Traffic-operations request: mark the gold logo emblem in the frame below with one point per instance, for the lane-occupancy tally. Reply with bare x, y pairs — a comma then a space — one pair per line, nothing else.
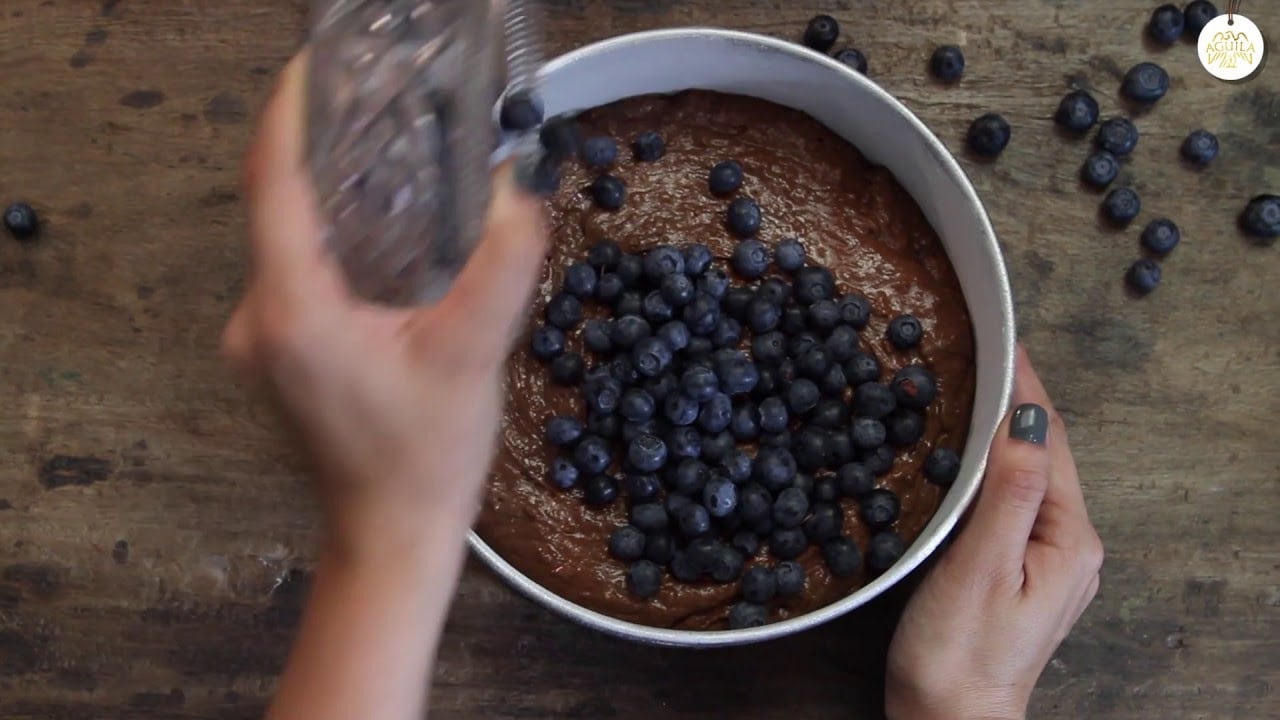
1230, 47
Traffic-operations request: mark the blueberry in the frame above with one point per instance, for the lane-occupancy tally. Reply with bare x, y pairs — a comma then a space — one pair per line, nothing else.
1143, 275
716, 446
559, 137
762, 315
1145, 82
1196, 15
1166, 24
879, 461
825, 489
725, 564
873, 400
1200, 147
842, 557
802, 343
831, 413
521, 111
821, 33
649, 147
795, 319
600, 491
1077, 112
660, 548
914, 387
680, 409
608, 192
1100, 169
745, 422
720, 498
854, 58
627, 543
651, 356
725, 178
750, 258
608, 427
988, 135
867, 433
684, 442
802, 396
738, 375
814, 364
824, 523
754, 503
700, 383
738, 466
786, 372
662, 261
727, 333
841, 450
630, 270
661, 386
675, 334
697, 259
880, 508
630, 302
655, 307
623, 369
885, 550
598, 152
690, 477
563, 431
773, 415
942, 466
769, 348
855, 480
842, 344
698, 348
677, 289
713, 283
684, 568
637, 405
1261, 217
1121, 206
633, 430
775, 291
546, 342
775, 440
746, 542
1161, 236
743, 220
1118, 136
693, 520
809, 446
642, 487
813, 284
759, 584
644, 579
609, 287
824, 315
592, 455
562, 473
791, 578
567, 369
581, 280
744, 616
21, 221
716, 413
947, 63
628, 330
789, 255
775, 468
701, 314
649, 517
674, 502
604, 254
905, 332
787, 543
904, 427
647, 453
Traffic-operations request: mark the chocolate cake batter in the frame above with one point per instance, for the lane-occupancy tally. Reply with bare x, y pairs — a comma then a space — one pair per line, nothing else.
852, 216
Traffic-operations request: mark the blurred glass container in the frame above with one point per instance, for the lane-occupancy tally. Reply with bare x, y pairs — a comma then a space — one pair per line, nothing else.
400, 133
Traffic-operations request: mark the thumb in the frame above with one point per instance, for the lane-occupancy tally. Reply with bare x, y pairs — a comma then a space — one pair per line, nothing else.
489, 300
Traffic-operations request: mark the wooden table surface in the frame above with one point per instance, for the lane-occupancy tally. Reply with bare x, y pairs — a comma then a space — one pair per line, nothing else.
155, 530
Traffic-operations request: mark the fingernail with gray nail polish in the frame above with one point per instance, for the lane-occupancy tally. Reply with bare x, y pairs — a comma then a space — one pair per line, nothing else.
1030, 424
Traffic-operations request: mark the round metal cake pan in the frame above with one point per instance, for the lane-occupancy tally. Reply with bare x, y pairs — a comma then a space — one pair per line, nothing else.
887, 133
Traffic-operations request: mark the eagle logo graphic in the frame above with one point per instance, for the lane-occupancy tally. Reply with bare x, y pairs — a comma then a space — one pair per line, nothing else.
1229, 49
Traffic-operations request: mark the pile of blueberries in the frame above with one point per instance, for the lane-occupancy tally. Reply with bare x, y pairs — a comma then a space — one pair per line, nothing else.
1144, 84
731, 407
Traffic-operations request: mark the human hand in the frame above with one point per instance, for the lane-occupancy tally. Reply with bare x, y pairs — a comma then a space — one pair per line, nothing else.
986, 620
398, 408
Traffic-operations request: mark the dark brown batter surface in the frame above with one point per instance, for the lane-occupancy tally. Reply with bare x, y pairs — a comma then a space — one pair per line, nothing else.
853, 218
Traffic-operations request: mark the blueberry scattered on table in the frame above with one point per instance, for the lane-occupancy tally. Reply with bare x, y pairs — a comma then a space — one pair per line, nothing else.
1261, 218
1161, 236
1166, 24
1077, 111
649, 147
21, 221
947, 63
725, 178
1118, 136
609, 192
821, 33
1144, 275
1200, 147
1121, 206
1196, 15
854, 58
1100, 169
521, 111
988, 135
1145, 83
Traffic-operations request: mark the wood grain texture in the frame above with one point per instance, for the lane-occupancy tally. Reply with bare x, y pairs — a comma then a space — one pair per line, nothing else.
154, 528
